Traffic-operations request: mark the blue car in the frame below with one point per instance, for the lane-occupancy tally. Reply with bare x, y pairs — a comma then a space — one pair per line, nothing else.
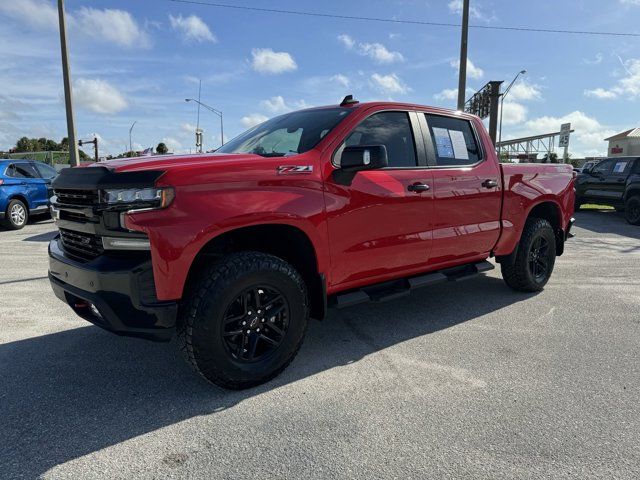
25, 189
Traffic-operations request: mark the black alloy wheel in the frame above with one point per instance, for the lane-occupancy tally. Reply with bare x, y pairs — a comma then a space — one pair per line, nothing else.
255, 323
539, 259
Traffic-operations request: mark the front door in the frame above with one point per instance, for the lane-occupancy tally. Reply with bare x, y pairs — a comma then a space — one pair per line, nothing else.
378, 227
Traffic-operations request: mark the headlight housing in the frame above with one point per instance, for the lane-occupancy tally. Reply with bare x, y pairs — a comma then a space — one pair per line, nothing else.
138, 198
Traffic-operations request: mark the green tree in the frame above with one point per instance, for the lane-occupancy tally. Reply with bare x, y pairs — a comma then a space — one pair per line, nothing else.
162, 148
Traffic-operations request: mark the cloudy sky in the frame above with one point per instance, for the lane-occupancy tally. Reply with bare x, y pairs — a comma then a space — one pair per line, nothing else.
138, 61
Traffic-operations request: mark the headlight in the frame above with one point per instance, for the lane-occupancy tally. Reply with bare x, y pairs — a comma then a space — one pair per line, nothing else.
138, 197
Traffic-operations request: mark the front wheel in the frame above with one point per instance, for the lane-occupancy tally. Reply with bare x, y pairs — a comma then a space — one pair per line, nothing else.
529, 269
16, 215
245, 319
632, 210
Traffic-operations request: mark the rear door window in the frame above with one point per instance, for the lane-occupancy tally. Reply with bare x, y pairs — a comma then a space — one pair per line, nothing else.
454, 141
21, 170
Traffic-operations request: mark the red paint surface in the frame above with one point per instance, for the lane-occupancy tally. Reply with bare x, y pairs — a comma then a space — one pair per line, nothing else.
369, 231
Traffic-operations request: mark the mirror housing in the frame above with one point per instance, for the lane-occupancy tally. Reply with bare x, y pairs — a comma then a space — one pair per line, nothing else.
363, 157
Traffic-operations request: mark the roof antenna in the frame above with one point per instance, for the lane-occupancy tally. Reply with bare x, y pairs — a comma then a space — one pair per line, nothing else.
349, 100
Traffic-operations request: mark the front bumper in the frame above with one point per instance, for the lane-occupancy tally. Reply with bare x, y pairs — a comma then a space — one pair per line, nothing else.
120, 287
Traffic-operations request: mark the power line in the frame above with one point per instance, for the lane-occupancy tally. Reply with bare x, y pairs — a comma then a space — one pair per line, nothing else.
410, 22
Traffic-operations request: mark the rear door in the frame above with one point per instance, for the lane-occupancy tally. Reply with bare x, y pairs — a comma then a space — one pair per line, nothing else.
36, 185
614, 183
467, 190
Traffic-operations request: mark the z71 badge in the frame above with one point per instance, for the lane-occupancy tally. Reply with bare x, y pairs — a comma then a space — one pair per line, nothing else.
294, 169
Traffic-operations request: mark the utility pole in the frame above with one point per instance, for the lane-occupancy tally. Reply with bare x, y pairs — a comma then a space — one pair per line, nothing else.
66, 76
462, 80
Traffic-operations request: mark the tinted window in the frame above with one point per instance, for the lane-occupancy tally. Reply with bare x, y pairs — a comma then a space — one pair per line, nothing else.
636, 167
621, 166
288, 134
604, 167
45, 170
453, 141
22, 170
391, 129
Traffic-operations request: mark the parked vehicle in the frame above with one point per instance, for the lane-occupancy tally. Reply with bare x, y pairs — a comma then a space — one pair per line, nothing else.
25, 189
329, 206
614, 182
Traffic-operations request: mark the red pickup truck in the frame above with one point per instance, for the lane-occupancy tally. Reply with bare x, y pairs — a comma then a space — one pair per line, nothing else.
325, 207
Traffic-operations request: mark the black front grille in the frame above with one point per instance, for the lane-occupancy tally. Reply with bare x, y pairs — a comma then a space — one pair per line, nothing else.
81, 245
81, 198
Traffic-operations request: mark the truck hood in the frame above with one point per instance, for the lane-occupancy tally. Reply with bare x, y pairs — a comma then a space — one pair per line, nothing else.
174, 162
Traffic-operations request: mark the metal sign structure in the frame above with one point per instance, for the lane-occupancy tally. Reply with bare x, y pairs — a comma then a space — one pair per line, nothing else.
484, 103
565, 133
527, 148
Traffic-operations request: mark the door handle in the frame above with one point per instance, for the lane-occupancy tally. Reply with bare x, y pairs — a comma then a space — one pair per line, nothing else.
489, 183
418, 187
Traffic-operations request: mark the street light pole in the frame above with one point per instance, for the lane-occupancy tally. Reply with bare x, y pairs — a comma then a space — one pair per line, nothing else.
66, 76
521, 72
213, 110
130, 130
462, 73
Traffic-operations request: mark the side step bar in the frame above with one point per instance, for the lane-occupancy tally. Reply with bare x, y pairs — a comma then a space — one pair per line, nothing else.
383, 292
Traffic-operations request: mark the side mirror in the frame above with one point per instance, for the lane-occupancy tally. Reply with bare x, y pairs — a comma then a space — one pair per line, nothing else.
363, 157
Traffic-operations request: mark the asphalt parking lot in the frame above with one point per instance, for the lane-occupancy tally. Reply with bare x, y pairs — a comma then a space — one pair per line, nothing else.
466, 380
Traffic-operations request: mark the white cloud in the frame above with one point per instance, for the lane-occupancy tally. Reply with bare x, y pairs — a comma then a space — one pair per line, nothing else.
192, 29
375, 51
447, 94
346, 40
98, 96
275, 104
35, 13
340, 79
455, 7
525, 91
587, 140
628, 86
278, 104
513, 113
253, 119
172, 144
267, 61
389, 84
112, 26
188, 128
472, 70
600, 93
630, 2
595, 61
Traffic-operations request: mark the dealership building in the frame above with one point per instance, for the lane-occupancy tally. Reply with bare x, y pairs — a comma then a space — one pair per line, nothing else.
625, 144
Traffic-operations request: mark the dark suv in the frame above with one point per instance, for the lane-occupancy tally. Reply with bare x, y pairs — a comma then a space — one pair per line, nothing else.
614, 182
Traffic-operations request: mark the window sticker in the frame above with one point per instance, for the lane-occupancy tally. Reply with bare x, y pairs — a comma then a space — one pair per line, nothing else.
443, 142
619, 167
459, 145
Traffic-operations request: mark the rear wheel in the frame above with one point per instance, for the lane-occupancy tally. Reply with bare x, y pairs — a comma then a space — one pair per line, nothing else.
632, 210
16, 215
529, 269
245, 320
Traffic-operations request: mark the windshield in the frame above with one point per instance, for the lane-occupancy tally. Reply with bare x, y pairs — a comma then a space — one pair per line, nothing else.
287, 134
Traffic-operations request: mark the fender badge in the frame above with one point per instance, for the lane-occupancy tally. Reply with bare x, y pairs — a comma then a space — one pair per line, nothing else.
294, 169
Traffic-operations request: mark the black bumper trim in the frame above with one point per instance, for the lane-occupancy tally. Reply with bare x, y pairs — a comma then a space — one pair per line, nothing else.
122, 291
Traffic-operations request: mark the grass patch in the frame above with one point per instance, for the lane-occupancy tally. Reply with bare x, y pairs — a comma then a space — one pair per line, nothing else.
593, 206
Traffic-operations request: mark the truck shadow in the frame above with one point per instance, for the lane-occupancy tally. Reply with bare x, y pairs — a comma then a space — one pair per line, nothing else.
75, 392
607, 222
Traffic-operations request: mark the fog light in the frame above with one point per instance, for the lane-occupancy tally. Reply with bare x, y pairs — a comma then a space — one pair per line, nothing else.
121, 243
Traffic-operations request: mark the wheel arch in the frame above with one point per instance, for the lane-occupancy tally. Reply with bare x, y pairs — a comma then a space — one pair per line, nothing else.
282, 240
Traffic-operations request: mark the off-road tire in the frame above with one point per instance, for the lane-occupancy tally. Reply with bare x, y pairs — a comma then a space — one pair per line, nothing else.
632, 210
200, 323
516, 268
11, 223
